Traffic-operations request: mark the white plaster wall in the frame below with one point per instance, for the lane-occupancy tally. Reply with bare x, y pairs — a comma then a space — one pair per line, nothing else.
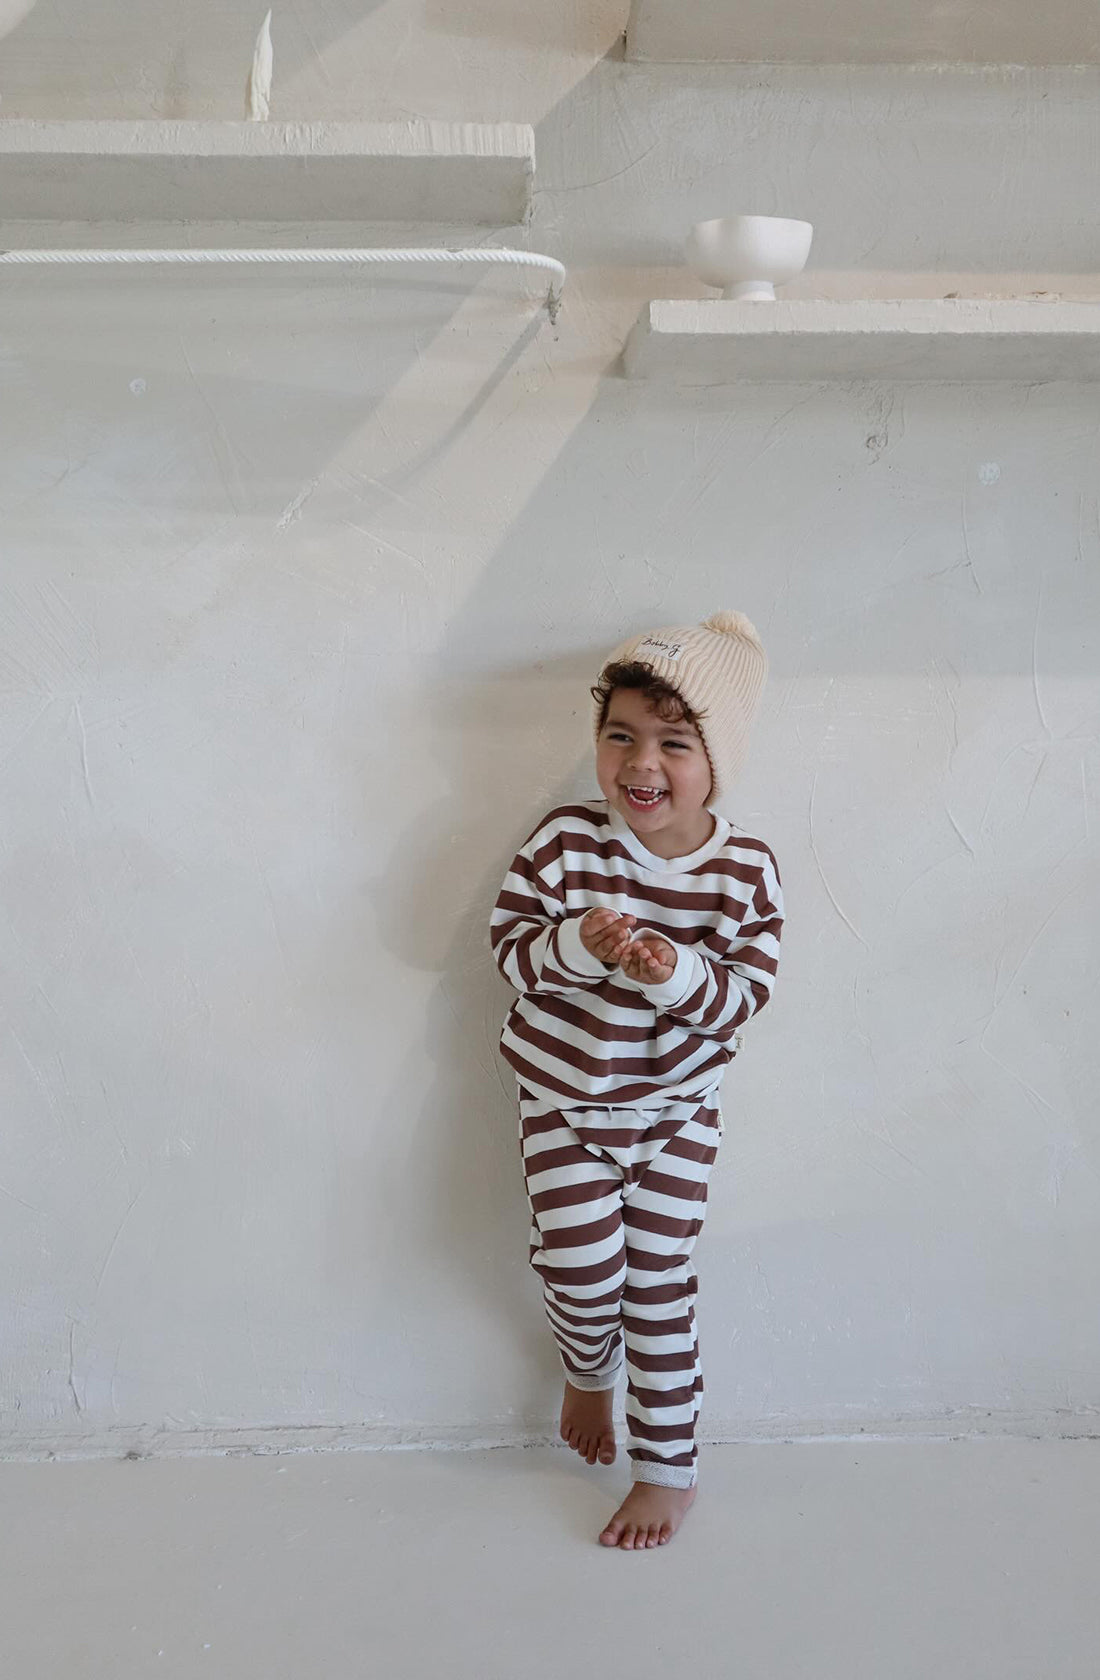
303, 583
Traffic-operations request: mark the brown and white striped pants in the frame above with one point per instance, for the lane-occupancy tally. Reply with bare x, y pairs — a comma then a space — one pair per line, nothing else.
617, 1197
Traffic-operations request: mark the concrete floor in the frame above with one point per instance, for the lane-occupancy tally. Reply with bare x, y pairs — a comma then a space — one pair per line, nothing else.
965, 1560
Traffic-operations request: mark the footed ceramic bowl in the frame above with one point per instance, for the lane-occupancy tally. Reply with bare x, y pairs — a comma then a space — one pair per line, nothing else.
748, 256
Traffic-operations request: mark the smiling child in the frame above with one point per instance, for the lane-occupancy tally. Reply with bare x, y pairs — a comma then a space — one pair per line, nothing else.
641, 933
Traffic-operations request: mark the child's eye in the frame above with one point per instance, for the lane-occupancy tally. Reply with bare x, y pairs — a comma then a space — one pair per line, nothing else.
621, 735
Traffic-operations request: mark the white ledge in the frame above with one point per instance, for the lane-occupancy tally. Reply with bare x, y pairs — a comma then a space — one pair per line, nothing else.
715, 342
88, 171
1059, 32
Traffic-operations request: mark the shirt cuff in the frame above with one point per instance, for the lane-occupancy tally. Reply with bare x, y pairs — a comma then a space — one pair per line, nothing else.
683, 980
574, 952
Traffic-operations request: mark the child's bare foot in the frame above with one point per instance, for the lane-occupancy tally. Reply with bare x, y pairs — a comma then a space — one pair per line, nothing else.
648, 1516
586, 1422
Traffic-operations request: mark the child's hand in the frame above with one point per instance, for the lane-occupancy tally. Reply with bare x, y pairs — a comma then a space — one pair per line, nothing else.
607, 934
650, 959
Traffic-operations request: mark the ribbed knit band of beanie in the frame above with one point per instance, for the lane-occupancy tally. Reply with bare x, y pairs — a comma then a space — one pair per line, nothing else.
718, 668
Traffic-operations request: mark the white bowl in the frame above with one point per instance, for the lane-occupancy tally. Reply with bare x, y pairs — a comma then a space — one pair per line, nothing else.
748, 256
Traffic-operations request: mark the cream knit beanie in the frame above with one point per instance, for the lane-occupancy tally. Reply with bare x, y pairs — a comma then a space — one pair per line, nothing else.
719, 668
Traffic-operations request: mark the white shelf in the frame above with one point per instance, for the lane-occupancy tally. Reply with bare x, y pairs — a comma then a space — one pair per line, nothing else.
865, 32
715, 342
454, 173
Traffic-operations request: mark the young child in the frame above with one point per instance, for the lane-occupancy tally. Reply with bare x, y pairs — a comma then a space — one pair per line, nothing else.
641, 933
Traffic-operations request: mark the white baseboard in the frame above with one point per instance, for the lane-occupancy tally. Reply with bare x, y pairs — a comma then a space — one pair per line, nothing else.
151, 1441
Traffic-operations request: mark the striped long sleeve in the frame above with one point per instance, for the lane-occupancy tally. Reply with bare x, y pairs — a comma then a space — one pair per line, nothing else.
582, 1033
537, 946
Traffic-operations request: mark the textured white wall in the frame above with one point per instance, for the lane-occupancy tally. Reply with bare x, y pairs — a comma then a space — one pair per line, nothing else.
303, 583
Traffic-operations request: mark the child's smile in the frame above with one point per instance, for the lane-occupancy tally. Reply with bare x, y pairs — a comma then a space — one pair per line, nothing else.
645, 799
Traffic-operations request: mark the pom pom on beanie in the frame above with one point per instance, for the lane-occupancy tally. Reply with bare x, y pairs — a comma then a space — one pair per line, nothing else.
731, 624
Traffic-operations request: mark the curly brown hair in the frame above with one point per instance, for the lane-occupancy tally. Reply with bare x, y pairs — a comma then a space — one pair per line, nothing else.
666, 700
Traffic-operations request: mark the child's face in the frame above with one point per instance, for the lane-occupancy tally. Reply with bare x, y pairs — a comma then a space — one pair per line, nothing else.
638, 752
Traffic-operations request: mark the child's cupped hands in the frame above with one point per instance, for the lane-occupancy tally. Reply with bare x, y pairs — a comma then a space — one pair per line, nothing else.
610, 937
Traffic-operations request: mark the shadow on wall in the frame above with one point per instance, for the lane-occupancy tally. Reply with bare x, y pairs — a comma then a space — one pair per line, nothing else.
469, 1220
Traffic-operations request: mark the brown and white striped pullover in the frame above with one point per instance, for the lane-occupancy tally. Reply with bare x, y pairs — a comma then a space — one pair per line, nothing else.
583, 1035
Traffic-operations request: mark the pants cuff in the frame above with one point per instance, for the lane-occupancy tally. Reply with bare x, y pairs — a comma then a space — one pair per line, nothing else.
594, 1381
663, 1475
